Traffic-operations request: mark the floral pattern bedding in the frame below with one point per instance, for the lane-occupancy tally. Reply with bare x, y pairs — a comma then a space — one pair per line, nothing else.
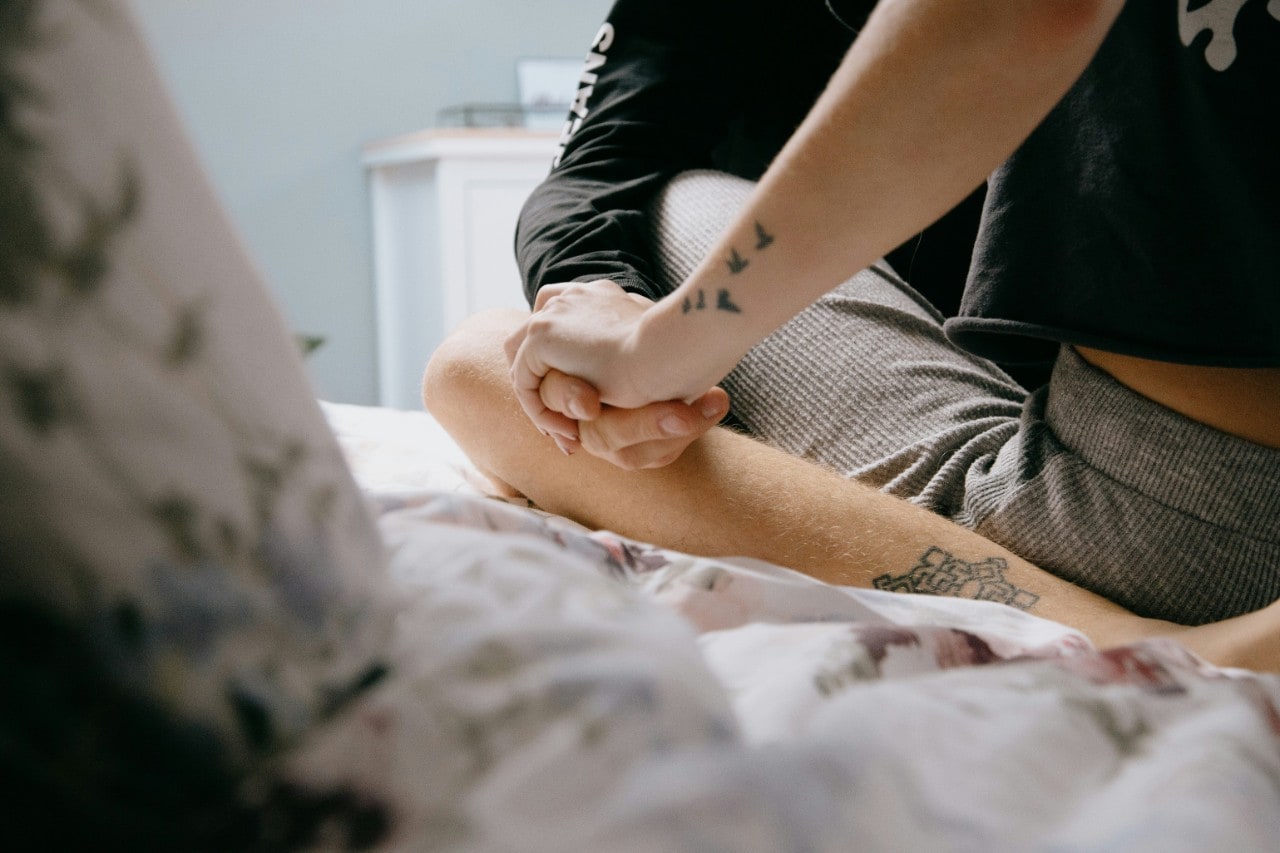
561, 689
211, 639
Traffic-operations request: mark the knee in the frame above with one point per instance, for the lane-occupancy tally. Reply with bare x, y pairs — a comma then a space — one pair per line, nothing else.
468, 371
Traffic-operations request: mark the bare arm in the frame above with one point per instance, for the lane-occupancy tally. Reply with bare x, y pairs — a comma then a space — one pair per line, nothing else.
729, 495
932, 96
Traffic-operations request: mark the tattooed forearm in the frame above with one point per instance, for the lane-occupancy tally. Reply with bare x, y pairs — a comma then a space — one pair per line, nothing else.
940, 573
736, 263
724, 302
763, 238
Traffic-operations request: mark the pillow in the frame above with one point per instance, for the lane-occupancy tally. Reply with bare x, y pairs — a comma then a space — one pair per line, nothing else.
189, 579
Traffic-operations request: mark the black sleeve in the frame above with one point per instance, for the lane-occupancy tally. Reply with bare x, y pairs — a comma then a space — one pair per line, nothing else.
673, 85
657, 90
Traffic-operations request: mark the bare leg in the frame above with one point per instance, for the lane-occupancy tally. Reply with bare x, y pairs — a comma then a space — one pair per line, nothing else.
728, 495
721, 487
1251, 641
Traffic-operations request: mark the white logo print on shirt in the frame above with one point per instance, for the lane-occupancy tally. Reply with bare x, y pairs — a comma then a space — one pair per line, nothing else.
1218, 16
587, 86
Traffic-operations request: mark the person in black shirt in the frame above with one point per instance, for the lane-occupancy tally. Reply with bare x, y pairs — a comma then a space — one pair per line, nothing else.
1152, 452
679, 92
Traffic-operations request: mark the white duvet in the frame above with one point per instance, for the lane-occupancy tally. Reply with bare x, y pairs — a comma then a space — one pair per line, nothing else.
560, 690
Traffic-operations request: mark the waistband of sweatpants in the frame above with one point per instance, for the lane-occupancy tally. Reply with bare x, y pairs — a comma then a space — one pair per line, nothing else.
1224, 480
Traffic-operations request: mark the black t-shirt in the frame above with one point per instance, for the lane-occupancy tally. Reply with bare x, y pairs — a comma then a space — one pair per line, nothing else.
1143, 215
673, 85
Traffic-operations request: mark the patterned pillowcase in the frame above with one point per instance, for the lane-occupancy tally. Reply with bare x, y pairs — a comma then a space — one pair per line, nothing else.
188, 577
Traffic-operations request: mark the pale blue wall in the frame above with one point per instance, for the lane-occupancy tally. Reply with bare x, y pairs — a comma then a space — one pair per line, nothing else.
279, 97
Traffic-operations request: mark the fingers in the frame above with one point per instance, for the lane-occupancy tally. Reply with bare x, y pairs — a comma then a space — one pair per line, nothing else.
526, 380
546, 293
653, 436
713, 405
550, 291
570, 396
553, 400
554, 412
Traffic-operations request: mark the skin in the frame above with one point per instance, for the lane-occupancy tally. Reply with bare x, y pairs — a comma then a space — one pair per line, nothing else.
911, 104
912, 101
597, 368
570, 412
1244, 402
728, 495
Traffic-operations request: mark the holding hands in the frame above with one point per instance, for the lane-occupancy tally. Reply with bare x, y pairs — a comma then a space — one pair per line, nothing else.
587, 375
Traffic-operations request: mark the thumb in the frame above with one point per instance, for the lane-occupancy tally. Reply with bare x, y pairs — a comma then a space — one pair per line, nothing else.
713, 405
570, 395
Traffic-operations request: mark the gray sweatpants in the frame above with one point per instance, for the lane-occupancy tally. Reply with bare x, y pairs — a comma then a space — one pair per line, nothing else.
1085, 478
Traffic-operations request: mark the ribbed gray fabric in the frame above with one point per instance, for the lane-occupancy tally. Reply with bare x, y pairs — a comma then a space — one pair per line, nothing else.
1085, 478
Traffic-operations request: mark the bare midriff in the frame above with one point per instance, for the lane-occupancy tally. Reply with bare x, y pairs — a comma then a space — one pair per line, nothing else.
1241, 401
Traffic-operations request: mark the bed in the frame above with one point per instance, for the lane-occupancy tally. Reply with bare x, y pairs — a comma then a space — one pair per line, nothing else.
625, 697
232, 618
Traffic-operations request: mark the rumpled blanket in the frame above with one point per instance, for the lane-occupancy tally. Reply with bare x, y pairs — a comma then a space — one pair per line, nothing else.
558, 689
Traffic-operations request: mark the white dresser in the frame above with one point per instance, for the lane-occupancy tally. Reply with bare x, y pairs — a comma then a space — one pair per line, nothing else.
445, 204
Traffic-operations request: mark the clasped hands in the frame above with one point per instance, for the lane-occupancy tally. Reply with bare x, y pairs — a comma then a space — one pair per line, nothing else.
589, 377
